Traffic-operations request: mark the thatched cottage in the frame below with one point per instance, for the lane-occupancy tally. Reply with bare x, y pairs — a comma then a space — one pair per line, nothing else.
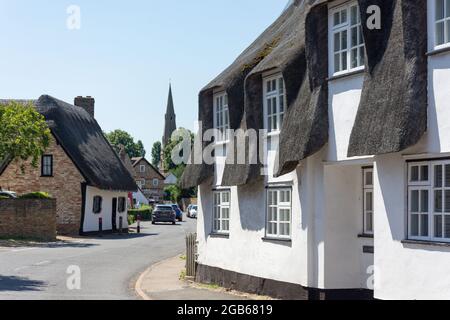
79, 169
354, 200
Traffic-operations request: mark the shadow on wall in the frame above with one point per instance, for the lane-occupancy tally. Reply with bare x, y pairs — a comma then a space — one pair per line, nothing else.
252, 206
17, 284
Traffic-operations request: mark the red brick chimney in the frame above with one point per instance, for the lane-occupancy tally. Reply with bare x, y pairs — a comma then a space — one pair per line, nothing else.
87, 103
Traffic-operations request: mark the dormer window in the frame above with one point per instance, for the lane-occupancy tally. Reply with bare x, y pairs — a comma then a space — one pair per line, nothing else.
347, 49
274, 103
442, 22
221, 117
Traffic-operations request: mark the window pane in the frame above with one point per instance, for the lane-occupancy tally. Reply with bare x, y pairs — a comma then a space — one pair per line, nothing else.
447, 23
447, 11
362, 56
447, 201
369, 178
424, 201
438, 176
344, 40
354, 58
415, 225
337, 60
354, 15
414, 173
439, 9
344, 60
354, 37
280, 86
369, 201
336, 19
424, 225
369, 222
344, 16
440, 39
447, 227
361, 37
415, 201
424, 173
438, 226
438, 201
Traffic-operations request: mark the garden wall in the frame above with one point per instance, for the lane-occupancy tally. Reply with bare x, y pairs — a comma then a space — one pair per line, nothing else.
26, 218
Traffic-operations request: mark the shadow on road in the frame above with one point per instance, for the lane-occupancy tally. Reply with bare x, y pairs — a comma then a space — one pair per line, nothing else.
20, 284
51, 245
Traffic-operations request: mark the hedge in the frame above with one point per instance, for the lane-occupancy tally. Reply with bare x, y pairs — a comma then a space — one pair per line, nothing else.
145, 213
35, 195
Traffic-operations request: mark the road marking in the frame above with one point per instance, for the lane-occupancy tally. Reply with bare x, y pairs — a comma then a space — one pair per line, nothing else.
22, 250
42, 263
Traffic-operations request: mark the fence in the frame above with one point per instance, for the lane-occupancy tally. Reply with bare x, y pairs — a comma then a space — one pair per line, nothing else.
191, 255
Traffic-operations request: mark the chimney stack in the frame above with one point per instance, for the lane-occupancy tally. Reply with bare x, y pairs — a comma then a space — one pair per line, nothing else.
87, 103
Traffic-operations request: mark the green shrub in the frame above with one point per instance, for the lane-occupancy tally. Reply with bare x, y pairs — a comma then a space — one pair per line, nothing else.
131, 219
145, 212
35, 195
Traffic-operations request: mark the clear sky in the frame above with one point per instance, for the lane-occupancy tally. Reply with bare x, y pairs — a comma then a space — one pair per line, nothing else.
125, 53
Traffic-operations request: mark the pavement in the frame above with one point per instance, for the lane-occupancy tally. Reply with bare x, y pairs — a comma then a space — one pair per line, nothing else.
162, 282
107, 268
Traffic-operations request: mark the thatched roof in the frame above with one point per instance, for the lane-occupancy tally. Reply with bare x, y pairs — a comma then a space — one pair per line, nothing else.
392, 115
82, 139
393, 111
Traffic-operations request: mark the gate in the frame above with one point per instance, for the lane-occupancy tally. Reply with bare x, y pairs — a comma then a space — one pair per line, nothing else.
191, 255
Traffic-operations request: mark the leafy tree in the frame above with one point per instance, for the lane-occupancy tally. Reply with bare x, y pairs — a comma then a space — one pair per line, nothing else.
118, 138
24, 134
175, 143
156, 153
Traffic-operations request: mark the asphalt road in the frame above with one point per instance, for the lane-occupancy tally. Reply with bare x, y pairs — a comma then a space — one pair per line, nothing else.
108, 266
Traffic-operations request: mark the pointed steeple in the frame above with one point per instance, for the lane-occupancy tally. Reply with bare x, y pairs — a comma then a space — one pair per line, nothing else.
170, 121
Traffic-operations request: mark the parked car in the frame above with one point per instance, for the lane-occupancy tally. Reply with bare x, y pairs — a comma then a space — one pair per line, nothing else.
188, 209
193, 211
164, 214
178, 212
8, 194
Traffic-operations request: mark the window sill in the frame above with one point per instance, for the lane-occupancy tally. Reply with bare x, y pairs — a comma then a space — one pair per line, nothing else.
427, 243
281, 240
366, 236
221, 143
345, 75
47, 176
219, 236
438, 51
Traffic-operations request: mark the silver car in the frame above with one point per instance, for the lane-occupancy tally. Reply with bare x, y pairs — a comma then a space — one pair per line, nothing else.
8, 194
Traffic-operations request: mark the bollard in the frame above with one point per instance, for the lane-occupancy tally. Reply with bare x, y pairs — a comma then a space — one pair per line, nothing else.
120, 225
100, 226
139, 223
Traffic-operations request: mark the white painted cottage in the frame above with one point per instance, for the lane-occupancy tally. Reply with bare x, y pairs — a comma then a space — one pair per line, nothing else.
358, 203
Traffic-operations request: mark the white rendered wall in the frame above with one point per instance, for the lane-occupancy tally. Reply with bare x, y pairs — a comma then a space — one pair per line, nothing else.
91, 219
344, 96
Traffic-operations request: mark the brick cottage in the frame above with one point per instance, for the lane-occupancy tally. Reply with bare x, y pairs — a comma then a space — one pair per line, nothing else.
79, 169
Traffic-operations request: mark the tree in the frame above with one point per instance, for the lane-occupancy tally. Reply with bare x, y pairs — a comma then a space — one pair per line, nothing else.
175, 143
24, 134
156, 153
119, 138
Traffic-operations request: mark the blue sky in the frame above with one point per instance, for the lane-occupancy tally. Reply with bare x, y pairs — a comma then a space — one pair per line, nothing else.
125, 53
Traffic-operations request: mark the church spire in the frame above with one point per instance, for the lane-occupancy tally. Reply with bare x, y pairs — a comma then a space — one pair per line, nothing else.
170, 121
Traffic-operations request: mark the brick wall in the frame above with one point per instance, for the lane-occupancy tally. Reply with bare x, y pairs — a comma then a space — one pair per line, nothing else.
34, 219
64, 186
149, 190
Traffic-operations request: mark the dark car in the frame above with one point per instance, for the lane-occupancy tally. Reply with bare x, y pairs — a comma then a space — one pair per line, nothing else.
178, 212
164, 214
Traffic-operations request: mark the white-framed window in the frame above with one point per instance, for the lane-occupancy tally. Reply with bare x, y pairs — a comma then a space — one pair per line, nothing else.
368, 216
274, 103
279, 213
142, 168
347, 49
429, 200
221, 116
155, 182
441, 23
221, 211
